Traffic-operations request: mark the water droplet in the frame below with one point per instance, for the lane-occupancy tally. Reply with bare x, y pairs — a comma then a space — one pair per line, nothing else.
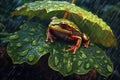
18, 58
24, 52
31, 34
78, 70
50, 9
45, 52
69, 66
56, 61
11, 44
46, 46
32, 30
98, 52
87, 66
13, 37
26, 39
96, 66
64, 50
83, 54
101, 57
79, 63
18, 44
19, 8
59, 66
109, 68
91, 60
35, 42
40, 49
74, 59
21, 27
9, 51
64, 61
31, 57
105, 61
65, 54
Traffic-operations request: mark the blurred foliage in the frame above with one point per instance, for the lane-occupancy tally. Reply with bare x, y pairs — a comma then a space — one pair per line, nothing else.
1, 27
11, 23
113, 14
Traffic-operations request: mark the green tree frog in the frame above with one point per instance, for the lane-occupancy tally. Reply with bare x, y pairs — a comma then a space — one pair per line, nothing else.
66, 30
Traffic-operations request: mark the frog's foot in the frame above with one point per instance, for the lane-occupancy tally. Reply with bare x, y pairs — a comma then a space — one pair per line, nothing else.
72, 48
49, 36
86, 40
76, 46
86, 44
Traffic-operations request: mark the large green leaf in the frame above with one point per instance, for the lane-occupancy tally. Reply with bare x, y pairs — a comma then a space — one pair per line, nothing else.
89, 23
28, 45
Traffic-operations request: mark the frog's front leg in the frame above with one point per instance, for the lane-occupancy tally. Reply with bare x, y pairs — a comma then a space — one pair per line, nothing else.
77, 45
49, 35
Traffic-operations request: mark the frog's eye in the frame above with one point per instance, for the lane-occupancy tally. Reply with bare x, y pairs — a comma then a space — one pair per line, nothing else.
64, 26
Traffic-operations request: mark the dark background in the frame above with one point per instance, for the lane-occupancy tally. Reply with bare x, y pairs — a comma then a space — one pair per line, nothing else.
108, 10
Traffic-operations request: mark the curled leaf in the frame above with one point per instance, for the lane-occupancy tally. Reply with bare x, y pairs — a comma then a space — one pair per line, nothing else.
88, 23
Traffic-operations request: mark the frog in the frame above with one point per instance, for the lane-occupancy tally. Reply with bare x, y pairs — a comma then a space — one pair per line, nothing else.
68, 31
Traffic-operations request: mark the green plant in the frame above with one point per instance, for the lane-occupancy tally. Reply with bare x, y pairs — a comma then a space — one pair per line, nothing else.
28, 44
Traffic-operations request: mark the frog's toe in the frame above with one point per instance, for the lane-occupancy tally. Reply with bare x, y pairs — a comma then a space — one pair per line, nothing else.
49, 38
51, 41
72, 48
86, 44
46, 40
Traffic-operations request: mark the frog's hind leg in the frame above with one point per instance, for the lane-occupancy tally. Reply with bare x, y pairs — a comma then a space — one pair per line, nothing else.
49, 35
77, 45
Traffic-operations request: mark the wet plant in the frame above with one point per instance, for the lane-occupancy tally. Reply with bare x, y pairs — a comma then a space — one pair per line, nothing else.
28, 44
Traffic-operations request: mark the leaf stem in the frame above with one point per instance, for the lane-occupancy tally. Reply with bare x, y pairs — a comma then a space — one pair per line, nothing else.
73, 1
66, 12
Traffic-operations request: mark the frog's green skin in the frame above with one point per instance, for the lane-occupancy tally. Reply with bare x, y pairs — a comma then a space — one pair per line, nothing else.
66, 30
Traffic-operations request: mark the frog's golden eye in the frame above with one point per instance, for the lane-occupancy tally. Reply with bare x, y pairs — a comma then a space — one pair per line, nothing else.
64, 26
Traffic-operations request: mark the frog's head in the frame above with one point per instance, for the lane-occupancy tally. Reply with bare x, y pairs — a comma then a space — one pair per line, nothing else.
64, 23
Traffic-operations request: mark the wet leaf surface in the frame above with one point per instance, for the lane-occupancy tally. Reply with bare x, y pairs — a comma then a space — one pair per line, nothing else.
83, 61
28, 45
